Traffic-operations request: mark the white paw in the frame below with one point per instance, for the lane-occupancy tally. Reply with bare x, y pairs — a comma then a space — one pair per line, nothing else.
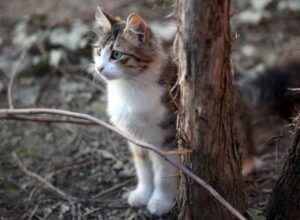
139, 197
159, 206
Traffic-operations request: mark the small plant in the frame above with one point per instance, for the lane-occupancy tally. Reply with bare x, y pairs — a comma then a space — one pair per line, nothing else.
254, 215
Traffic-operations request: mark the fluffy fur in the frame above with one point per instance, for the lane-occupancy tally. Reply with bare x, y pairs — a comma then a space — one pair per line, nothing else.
267, 104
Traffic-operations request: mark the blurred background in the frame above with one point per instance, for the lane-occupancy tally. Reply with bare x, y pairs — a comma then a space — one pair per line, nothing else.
45, 46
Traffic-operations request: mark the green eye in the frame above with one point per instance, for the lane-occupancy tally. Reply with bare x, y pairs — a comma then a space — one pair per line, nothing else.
115, 55
99, 51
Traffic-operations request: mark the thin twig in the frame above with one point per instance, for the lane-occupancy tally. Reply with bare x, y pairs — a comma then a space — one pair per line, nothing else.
68, 120
68, 168
151, 147
32, 213
40, 179
13, 76
46, 183
46, 119
111, 189
91, 211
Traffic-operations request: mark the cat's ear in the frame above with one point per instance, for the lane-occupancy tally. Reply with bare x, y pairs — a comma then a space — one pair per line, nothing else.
137, 27
104, 20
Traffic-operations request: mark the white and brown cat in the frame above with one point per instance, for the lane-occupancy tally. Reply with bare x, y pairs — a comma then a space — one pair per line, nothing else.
137, 71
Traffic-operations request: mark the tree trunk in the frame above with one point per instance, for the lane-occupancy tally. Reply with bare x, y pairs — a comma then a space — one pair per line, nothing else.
206, 109
285, 201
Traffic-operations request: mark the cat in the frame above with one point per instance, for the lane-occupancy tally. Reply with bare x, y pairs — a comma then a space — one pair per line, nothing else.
139, 74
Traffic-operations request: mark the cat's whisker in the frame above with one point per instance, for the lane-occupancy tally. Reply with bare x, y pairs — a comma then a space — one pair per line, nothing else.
133, 79
170, 176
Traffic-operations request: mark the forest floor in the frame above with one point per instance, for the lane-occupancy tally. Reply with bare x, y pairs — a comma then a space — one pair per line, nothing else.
91, 164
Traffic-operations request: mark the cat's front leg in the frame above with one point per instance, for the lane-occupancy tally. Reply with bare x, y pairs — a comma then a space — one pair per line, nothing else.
166, 179
141, 195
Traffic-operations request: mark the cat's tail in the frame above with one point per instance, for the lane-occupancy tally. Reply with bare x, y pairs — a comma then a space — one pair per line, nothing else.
272, 98
276, 89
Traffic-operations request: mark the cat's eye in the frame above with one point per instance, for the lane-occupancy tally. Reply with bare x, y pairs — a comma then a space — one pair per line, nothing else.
115, 55
98, 51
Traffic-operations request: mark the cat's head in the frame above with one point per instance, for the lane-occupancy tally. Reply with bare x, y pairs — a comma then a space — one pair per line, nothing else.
126, 49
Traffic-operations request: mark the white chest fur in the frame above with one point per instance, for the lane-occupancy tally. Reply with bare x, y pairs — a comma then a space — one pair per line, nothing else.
136, 107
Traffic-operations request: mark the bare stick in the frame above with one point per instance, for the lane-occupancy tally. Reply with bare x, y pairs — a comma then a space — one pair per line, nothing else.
46, 119
46, 183
151, 147
91, 211
33, 212
40, 179
13, 76
111, 189
68, 120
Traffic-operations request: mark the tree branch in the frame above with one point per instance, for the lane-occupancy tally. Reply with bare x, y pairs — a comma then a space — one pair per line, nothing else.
185, 170
46, 119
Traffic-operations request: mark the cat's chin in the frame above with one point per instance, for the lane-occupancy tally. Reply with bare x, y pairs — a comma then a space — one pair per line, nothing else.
109, 77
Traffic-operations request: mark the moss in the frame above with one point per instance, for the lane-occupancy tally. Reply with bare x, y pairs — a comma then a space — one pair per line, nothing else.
99, 109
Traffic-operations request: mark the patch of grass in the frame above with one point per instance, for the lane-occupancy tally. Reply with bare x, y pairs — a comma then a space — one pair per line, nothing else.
26, 151
254, 215
100, 109
11, 190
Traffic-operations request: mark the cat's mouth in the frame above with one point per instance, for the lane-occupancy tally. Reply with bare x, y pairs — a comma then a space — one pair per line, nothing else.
108, 75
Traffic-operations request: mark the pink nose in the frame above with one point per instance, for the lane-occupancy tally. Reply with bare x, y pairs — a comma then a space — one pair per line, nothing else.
101, 68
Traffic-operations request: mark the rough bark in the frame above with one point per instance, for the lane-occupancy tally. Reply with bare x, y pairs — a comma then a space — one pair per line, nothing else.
206, 113
285, 201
